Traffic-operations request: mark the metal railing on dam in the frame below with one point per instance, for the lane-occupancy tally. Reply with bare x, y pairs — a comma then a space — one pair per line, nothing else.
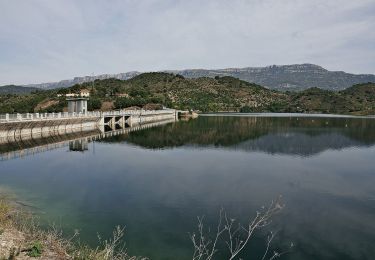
7, 118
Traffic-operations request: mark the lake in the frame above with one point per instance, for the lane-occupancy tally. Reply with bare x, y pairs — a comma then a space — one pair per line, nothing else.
156, 181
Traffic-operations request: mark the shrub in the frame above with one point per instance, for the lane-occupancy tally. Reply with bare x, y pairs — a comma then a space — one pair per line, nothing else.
94, 103
36, 249
246, 109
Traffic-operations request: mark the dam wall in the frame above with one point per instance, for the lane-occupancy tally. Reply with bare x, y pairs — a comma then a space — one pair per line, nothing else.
76, 140
19, 127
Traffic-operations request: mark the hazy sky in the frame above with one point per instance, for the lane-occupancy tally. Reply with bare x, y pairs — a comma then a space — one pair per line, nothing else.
50, 40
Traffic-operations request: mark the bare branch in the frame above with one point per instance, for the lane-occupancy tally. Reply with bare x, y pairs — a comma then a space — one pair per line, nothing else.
237, 236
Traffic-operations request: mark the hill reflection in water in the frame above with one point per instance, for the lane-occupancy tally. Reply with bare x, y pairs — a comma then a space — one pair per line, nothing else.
304, 136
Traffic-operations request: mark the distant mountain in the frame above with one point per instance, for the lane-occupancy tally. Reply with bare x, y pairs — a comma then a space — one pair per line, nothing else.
286, 77
79, 80
13, 89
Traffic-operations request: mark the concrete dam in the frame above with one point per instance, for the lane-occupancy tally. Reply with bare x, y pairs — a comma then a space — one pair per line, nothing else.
22, 127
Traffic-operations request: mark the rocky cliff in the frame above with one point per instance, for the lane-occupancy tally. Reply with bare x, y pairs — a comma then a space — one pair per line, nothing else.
286, 77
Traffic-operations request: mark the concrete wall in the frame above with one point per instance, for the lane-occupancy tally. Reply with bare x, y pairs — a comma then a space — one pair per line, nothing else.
24, 130
77, 106
10, 151
141, 119
15, 132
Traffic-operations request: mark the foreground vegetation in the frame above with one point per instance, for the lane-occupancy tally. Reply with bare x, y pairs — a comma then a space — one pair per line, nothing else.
219, 94
22, 238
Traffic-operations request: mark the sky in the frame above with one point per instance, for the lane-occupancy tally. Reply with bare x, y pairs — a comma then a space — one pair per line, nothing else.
52, 40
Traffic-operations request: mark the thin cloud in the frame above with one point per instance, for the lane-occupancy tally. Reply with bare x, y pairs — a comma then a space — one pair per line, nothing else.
44, 40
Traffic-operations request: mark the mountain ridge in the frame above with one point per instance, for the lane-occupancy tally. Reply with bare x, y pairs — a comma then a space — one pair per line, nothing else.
294, 77
13, 89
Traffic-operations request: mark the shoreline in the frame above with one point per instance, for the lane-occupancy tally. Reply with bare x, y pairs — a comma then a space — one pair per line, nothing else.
21, 237
266, 114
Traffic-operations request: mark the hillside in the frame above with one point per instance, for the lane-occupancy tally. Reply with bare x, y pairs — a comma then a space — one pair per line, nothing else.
153, 90
204, 94
285, 77
358, 99
157, 89
13, 89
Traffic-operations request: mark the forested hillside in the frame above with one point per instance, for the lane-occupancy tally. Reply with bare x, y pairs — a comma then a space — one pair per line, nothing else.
219, 94
13, 89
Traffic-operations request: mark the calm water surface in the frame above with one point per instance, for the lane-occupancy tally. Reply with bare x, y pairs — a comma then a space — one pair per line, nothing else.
157, 181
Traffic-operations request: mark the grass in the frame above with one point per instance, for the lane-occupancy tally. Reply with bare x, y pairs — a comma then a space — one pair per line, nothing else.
4, 211
23, 236
36, 249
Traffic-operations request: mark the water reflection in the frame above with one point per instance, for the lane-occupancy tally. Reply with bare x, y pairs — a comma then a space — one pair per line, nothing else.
156, 181
76, 139
32, 146
80, 145
277, 135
